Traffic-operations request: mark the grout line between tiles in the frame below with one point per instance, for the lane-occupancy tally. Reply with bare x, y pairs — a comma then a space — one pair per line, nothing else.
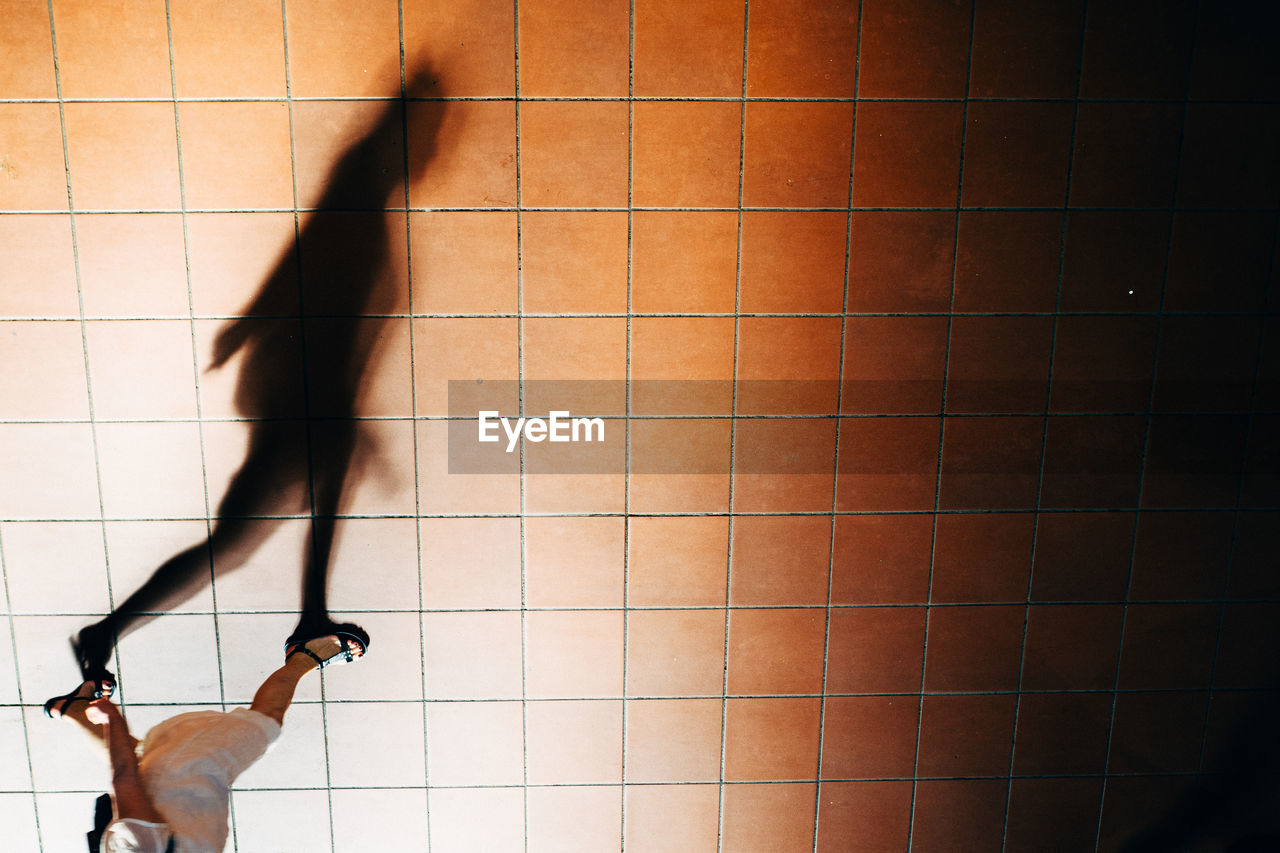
626, 476
1146, 435
520, 396
17, 686
942, 430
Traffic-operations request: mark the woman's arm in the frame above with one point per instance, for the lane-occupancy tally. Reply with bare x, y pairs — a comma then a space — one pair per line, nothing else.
131, 797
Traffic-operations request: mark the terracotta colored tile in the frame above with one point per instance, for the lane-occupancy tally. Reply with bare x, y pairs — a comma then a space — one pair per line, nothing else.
684, 261
999, 364
122, 155
284, 490
574, 818
350, 135
1168, 646
958, 814
574, 262
974, 648
806, 250
1016, 154
1251, 574
1231, 62
132, 265
881, 559
230, 257
1023, 53
463, 349
57, 390
675, 652
574, 49
574, 742
29, 71
1246, 629
577, 493
695, 50
686, 153
463, 262
35, 176
668, 817
151, 470
908, 154
901, 261
1092, 462
682, 348
797, 154
784, 465
1193, 461
386, 386
475, 743
869, 737
1071, 647
1103, 364
966, 735
574, 154
461, 817
466, 152
218, 172
1114, 261
780, 559
1206, 364
894, 28
677, 561
1181, 555
39, 250
389, 491
893, 364
990, 463
470, 562
573, 653
1044, 813
680, 447
335, 50
771, 739
1225, 156
803, 352
679, 492
1063, 733
768, 817
574, 562
471, 45
876, 650
673, 740
808, 55
982, 557
472, 655
564, 348
105, 54
237, 389
1137, 51
219, 51
141, 369
1155, 732
877, 814
1126, 155
1219, 261
887, 464
351, 263
775, 651
1008, 261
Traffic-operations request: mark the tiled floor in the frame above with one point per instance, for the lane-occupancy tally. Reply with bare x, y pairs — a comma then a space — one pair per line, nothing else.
955, 533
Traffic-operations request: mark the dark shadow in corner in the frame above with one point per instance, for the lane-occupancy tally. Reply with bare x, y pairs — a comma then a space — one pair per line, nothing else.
307, 367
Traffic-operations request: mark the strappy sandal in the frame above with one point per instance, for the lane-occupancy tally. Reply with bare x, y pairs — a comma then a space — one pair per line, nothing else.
102, 689
354, 640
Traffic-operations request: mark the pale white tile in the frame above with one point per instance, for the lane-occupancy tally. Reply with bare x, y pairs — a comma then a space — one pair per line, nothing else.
374, 565
46, 666
56, 567
281, 821
297, 759
173, 658
18, 817
15, 773
575, 819
380, 819
264, 572
393, 667
252, 648
476, 820
65, 818
374, 744
475, 743
137, 548
64, 757
48, 471
151, 470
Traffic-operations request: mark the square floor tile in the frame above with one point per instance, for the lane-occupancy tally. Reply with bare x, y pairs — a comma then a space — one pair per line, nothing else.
463, 262
458, 349
1168, 646
780, 559
1071, 646
1219, 261
173, 659
776, 651
257, 817
790, 55
982, 557
1023, 53
876, 650
571, 654
122, 156
137, 549
250, 647
29, 73
777, 817
990, 463
350, 154
1193, 461
1103, 364
803, 351
686, 153
771, 739
573, 50
464, 817
878, 814
699, 349
1061, 733
678, 561
908, 154
891, 28
577, 742
233, 256
1016, 154
881, 559
808, 250
58, 390
1205, 364
151, 470
297, 760
999, 364
673, 740
865, 737
472, 44
141, 369
220, 50
893, 365
393, 669
1092, 462
784, 465
974, 648
470, 562
574, 262
797, 154
1224, 158
675, 653
1126, 155
466, 152
375, 743
475, 743
887, 464
1082, 556
574, 562
335, 50
35, 173
901, 261
956, 813
966, 735
459, 493
40, 279
684, 261
132, 265
105, 54
671, 817
388, 819
1065, 809
695, 50
218, 171
472, 655
575, 819
49, 471
1008, 260
1115, 39
1157, 732
1114, 261
574, 154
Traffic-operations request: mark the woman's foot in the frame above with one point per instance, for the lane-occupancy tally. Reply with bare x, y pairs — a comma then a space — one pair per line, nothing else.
86, 692
339, 648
